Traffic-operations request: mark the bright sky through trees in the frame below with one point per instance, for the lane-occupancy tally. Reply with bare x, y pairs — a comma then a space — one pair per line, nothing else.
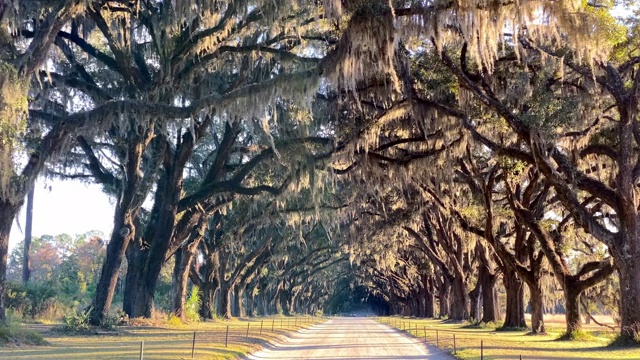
68, 207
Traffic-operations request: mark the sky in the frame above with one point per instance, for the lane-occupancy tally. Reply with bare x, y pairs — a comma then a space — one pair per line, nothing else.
69, 206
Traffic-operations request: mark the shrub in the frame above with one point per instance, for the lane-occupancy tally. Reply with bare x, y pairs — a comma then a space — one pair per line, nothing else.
109, 322
35, 300
76, 321
174, 321
192, 305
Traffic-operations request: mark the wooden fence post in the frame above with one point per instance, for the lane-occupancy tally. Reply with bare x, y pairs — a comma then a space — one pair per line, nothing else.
454, 343
193, 346
481, 350
226, 338
141, 350
261, 322
247, 336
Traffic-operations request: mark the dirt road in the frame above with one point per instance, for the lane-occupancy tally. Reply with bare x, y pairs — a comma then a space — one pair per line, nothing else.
352, 339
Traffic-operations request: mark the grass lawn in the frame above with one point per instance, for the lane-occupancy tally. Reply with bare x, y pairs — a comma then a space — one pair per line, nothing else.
162, 342
512, 344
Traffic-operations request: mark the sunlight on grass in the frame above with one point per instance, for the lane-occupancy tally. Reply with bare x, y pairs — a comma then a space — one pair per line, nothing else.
165, 342
512, 344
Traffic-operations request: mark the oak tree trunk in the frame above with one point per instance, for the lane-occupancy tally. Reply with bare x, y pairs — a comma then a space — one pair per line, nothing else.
490, 312
496, 302
136, 256
251, 304
120, 238
572, 308
629, 270
474, 297
224, 299
179, 291
514, 286
443, 299
242, 310
8, 212
208, 296
537, 309
429, 310
237, 301
182, 266
28, 227
427, 285
460, 300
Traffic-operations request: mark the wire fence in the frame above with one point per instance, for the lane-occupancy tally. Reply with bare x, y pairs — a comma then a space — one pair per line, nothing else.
188, 343
446, 340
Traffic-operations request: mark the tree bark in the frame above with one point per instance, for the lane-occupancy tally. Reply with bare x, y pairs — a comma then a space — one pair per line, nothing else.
429, 309
630, 296
474, 297
460, 300
241, 300
236, 301
490, 312
292, 301
153, 262
179, 285
182, 266
120, 238
224, 299
496, 302
207, 292
572, 308
514, 286
421, 299
135, 266
251, 304
427, 285
537, 309
443, 300
263, 304
28, 227
8, 213
206, 278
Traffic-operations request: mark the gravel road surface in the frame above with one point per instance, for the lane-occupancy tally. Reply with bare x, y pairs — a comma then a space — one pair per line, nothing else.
353, 338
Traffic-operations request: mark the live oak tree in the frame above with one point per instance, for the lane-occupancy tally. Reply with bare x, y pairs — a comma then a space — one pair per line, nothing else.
140, 68
159, 84
522, 260
20, 61
577, 190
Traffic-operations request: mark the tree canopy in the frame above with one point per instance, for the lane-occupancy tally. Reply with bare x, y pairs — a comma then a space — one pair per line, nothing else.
292, 156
